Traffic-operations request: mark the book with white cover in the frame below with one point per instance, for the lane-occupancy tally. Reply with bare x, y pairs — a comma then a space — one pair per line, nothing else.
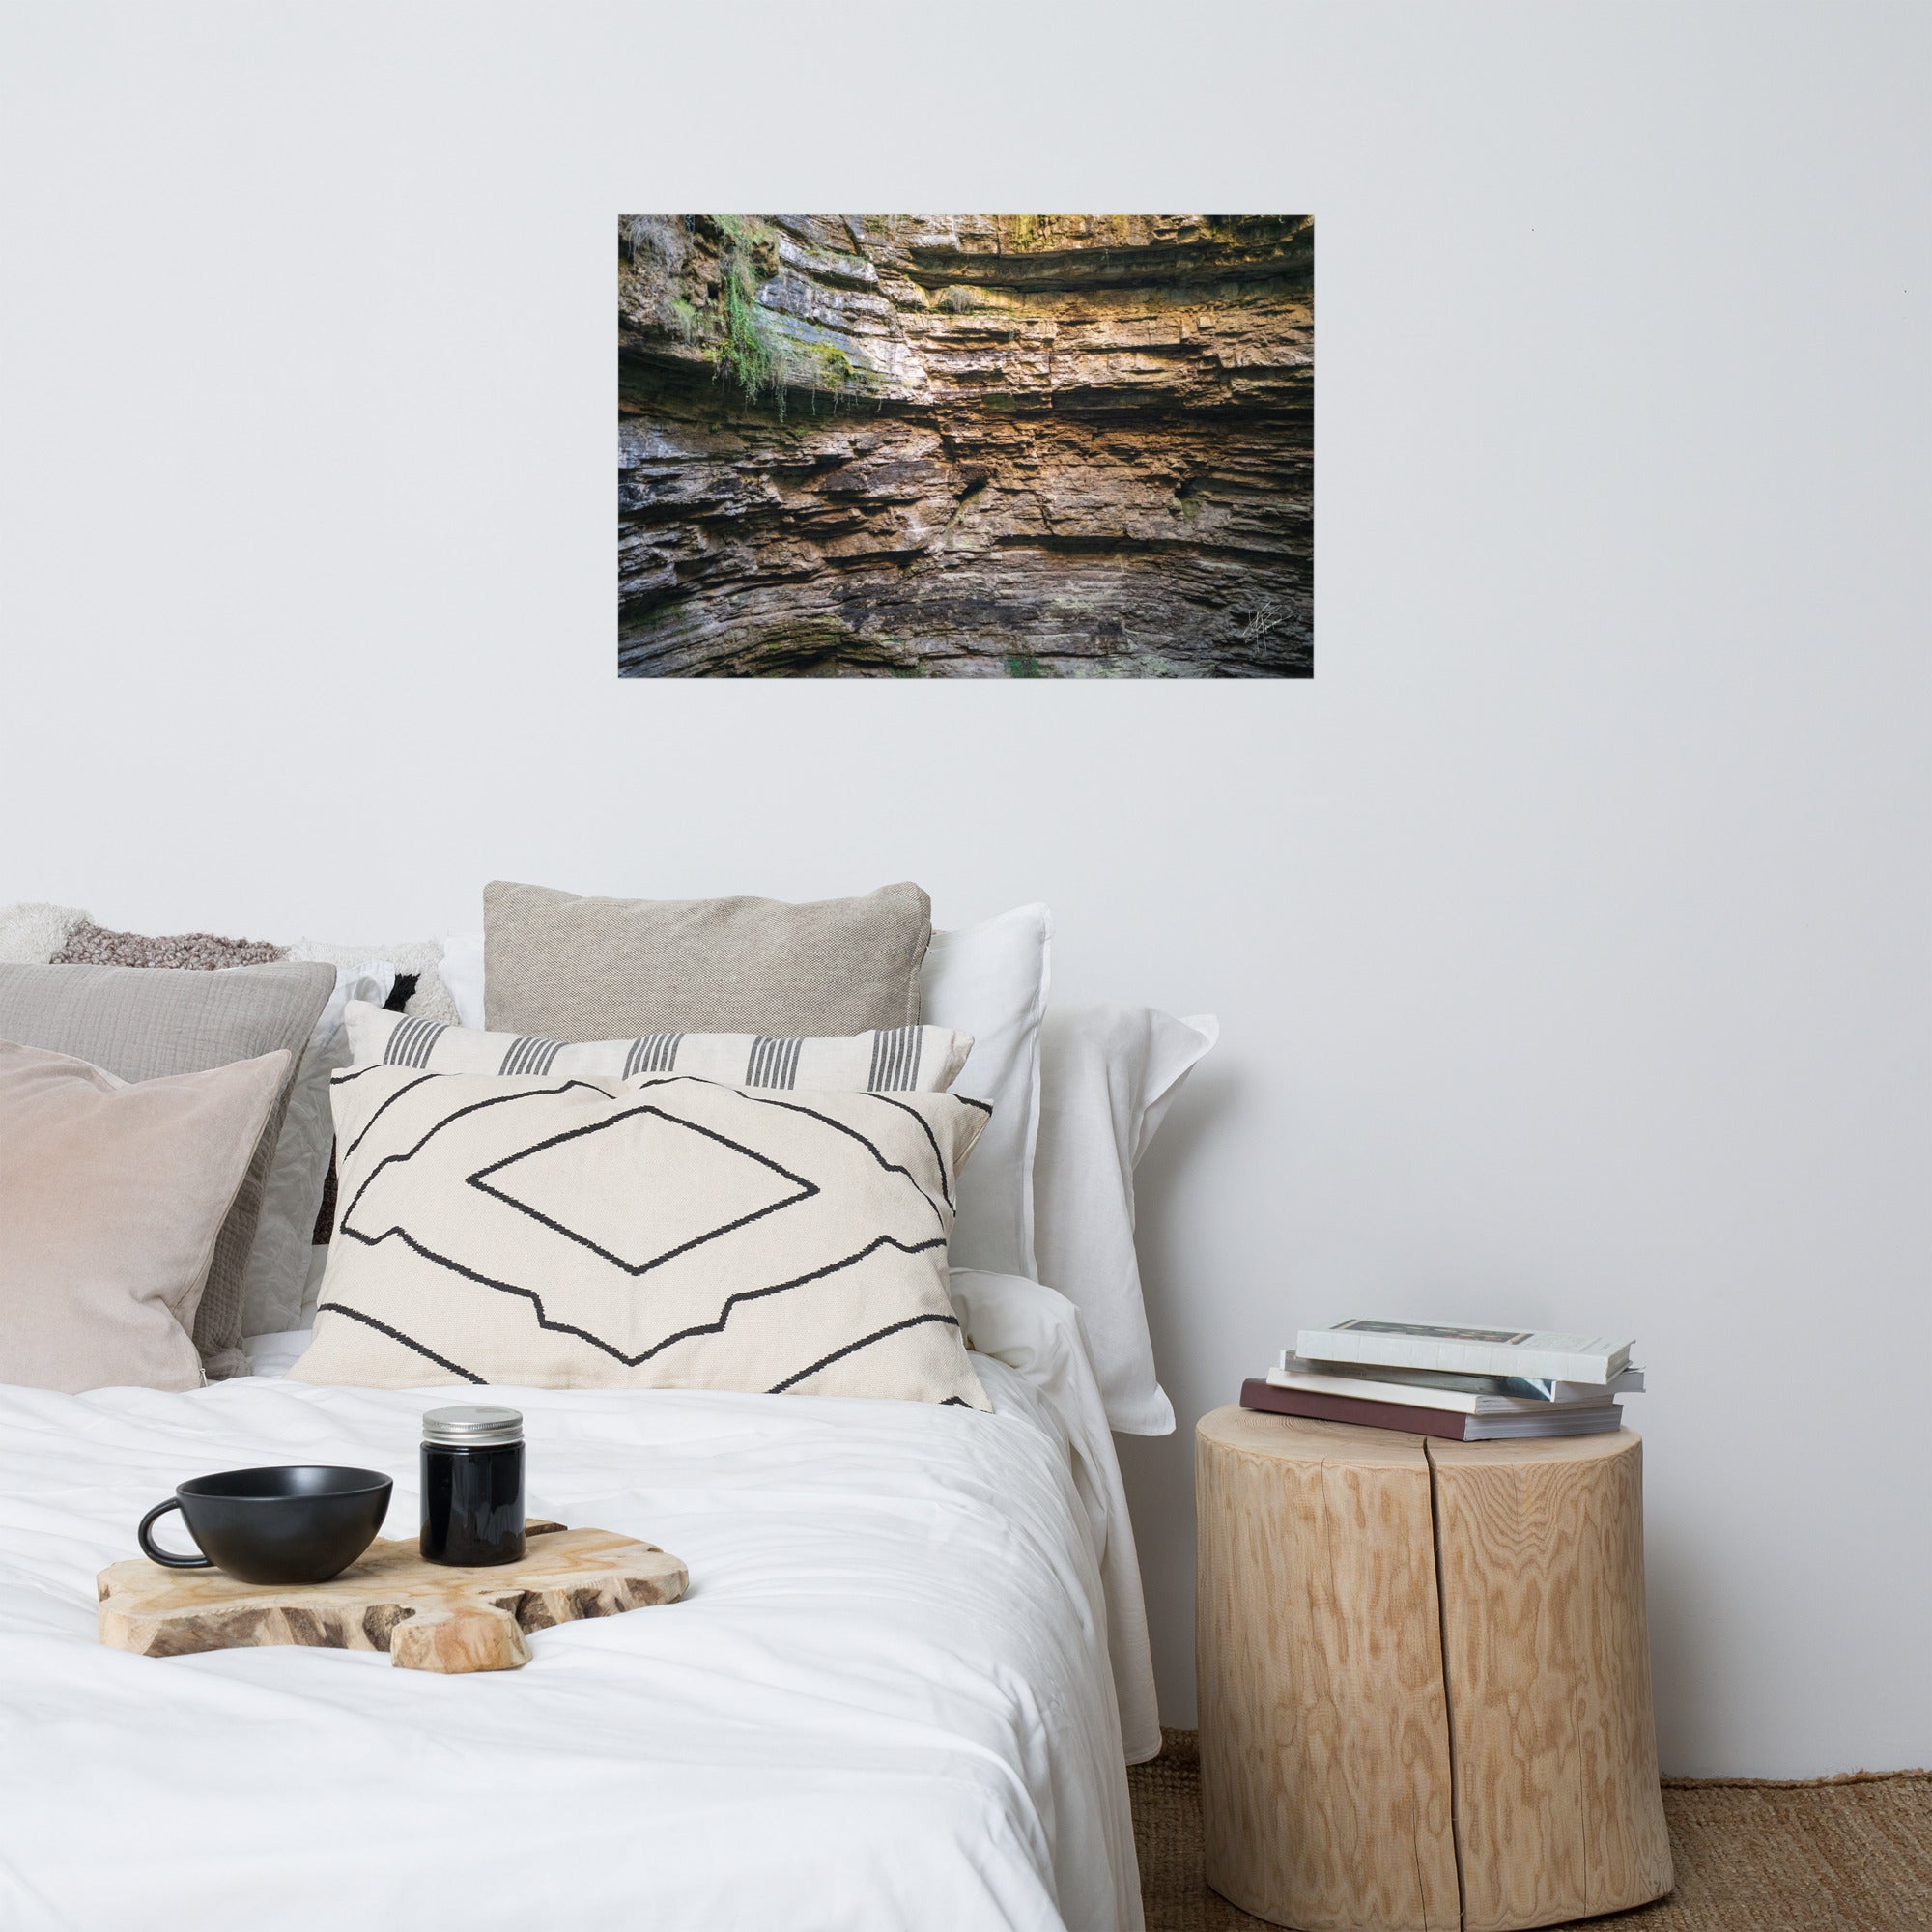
1468, 1350
1543, 1388
1458, 1394
1596, 1418
1536, 1388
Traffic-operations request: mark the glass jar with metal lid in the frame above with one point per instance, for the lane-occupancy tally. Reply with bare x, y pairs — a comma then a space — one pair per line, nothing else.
473, 1486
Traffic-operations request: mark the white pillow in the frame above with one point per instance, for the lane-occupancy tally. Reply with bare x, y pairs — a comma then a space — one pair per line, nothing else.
462, 976
1109, 1075
278, 1266
991, 980
421, 956
32, 933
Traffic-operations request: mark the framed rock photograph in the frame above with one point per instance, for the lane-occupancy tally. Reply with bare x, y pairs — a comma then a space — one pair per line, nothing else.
965, 445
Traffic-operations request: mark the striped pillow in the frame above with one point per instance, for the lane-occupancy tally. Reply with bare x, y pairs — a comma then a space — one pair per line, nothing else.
896, 1059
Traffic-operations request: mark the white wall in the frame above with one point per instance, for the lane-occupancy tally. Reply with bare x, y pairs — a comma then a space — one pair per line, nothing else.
1569, 930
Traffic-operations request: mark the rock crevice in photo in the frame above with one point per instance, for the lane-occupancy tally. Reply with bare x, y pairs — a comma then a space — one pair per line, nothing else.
965, 445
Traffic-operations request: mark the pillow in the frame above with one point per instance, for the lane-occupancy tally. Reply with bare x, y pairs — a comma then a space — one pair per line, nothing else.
419, 959
112, 1195
461, 971
298, 1167
990, 981
656, 1232
568, 968
140, 1025
31, 934
908, 1058
91, 944
1108, 1076
52, 935
279, 1258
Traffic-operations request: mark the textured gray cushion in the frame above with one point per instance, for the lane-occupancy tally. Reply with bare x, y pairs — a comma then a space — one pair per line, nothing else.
144, 1024
572, 969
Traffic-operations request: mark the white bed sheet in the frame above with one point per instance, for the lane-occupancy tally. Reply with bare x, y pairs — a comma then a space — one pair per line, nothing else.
886, 1702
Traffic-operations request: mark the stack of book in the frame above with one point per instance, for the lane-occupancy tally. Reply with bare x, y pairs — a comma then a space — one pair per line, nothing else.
1468, 1385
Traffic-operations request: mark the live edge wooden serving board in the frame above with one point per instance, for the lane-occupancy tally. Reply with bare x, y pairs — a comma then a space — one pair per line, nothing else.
426, 1615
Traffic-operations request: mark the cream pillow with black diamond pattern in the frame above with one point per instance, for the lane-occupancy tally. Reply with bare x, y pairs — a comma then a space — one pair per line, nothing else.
662, 1231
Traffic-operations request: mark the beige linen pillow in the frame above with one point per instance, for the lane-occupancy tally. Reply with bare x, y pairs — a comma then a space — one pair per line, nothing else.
112, 1195
142, 1025
655, 1232
570, 968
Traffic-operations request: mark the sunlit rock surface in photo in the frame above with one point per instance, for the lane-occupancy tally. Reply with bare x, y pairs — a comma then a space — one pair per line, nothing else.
965, 445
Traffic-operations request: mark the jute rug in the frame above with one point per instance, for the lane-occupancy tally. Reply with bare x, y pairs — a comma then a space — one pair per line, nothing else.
1849, 1855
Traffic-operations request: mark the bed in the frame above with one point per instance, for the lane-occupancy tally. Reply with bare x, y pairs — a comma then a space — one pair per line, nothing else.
901, 1692
912, 1663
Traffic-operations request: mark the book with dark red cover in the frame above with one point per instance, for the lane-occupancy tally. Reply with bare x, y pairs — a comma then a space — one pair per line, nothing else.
1256, 1394
1596, 1419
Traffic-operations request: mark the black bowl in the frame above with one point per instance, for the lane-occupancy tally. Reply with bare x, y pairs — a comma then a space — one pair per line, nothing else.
301, 1525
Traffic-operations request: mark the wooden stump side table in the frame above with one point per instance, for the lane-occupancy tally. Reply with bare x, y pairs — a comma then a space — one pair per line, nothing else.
1425, 1677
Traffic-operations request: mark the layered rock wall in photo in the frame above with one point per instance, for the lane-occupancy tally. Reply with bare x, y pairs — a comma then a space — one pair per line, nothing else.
965, 445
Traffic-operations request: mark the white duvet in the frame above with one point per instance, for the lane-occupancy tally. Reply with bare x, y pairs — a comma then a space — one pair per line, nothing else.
887, 1702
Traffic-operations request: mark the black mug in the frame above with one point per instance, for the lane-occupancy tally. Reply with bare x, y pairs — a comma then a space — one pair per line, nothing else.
300, 1524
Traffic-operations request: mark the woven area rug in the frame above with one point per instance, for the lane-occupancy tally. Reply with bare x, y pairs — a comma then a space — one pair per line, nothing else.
1848, 1854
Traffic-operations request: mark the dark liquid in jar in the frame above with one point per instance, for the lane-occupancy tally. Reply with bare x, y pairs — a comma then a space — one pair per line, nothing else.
472, 1504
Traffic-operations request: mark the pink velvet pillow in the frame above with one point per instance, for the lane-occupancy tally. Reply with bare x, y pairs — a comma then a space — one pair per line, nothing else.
111, 1195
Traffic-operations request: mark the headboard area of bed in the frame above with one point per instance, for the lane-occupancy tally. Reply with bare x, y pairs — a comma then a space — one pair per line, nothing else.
1068, 1097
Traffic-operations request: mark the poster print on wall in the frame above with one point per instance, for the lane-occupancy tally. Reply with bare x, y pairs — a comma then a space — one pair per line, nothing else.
965, 445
